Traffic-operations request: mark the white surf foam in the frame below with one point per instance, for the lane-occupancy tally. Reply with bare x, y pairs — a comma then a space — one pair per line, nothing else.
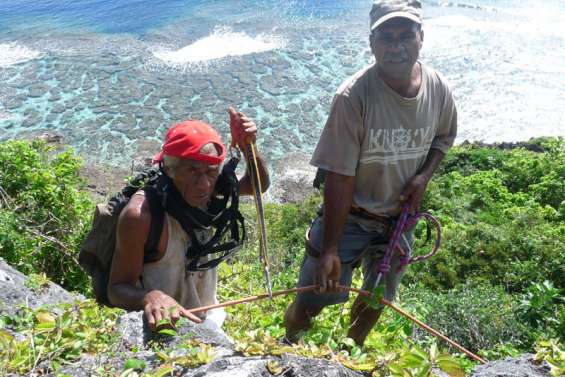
12, 53
222, 43
5, 116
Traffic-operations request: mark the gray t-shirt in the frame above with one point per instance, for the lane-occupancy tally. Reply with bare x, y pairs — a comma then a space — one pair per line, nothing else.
382, 138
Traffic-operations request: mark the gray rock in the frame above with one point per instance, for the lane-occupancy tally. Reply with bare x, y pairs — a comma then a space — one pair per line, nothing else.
58, 109
38, 91
13, 292
134, 331
291, 365
294, 177
525, 366
51, 137
303, 366
234, 366
104, 181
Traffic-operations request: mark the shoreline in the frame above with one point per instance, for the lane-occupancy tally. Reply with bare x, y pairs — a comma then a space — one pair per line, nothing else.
292, 176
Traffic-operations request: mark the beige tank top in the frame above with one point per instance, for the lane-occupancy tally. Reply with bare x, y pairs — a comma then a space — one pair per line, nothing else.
191, 289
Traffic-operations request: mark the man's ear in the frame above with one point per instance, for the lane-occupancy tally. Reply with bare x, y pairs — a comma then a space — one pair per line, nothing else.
169, 171
371, 42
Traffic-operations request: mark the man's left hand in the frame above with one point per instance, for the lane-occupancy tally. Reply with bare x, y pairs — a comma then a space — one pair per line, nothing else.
243, 129
414, 192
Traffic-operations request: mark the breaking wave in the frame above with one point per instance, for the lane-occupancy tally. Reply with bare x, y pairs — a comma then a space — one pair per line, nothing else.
12, 53
222, 43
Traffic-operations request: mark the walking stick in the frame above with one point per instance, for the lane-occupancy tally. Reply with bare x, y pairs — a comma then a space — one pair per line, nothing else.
250, 153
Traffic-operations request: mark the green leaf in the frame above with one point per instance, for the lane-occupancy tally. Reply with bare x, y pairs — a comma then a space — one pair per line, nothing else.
412, 361
135, 364
433, 352
348, 342
45, 326
163, 371
168, 332
450, 367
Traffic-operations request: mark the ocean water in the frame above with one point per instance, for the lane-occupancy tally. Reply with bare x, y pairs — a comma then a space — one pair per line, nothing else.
112, 76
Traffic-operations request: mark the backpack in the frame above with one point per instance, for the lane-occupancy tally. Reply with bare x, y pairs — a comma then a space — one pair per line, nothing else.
97, 250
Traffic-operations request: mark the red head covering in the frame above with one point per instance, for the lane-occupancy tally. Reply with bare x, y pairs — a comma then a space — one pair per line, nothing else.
186, 139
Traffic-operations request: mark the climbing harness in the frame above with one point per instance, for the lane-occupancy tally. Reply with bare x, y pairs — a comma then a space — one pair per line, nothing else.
250, 153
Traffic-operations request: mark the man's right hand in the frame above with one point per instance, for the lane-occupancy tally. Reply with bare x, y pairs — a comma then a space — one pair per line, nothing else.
329, 272
158, 306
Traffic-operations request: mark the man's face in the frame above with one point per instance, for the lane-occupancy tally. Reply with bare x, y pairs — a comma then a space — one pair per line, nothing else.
396, 45
195, 180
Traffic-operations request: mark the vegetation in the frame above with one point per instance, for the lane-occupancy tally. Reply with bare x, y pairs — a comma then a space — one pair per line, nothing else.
44, 214
503, 218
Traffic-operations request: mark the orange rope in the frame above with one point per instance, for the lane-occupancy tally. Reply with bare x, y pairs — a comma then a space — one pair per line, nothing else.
252, 298
422, 325
358, 291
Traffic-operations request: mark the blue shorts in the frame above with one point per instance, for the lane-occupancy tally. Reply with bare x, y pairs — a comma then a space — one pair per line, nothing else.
357, 246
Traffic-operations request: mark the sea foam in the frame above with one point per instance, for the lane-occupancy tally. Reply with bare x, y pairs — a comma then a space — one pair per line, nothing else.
12, 53
5, 116
222, 43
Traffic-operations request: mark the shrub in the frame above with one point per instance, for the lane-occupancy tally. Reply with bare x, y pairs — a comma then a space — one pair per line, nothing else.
541, 307
503, 217
43, 212
465, 314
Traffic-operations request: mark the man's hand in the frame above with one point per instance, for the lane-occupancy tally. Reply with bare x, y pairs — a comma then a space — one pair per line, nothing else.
243, 129
159, 306
414, 192
329, 272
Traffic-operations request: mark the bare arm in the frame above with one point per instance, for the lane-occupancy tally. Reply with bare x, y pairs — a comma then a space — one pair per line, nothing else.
414, 190
434, 158
127, 263
245, 186
127, 266
338, 197
244, 130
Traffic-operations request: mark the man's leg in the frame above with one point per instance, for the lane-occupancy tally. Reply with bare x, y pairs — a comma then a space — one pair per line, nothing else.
298, 319
307, 305
363, 318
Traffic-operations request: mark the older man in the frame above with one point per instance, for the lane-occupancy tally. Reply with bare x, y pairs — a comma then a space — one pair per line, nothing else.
170, 283
389, 127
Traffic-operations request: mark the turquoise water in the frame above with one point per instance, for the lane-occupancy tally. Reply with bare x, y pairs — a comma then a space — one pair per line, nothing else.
111, 76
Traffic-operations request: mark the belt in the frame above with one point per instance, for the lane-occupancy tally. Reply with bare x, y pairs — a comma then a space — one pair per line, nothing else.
388, 222
363, 213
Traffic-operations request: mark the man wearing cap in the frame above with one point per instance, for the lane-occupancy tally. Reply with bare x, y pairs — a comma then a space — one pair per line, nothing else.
389, 127
164, 288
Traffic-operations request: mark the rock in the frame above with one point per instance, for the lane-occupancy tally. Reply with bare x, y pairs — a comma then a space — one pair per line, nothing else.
134, 332
13, 292
525, 366
303, 366
293, 177
51, 138
104, 181
291, 365
38, 91
132, 329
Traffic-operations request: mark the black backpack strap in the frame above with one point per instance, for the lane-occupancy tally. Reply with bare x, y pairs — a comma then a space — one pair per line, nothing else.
156, 227
231, 221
